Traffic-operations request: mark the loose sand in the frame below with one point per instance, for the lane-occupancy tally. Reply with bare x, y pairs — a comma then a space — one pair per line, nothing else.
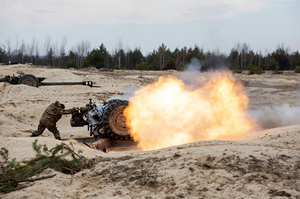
263, 164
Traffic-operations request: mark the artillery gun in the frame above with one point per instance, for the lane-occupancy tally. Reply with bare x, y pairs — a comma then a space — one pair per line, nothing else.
104, 120
31, 80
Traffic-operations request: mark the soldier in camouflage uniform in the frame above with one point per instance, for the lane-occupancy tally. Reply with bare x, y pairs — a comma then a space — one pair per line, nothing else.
5, 79
49, 118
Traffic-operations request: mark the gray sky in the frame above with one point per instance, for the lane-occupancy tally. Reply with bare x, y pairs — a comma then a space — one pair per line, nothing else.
211, 24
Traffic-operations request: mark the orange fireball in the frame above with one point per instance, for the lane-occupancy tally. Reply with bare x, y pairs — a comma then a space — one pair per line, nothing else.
168, 113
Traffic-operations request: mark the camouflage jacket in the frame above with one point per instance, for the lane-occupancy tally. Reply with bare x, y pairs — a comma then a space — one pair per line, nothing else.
54, 112
4, 79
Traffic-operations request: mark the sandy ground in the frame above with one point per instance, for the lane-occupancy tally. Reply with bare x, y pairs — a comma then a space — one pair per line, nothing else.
263, 164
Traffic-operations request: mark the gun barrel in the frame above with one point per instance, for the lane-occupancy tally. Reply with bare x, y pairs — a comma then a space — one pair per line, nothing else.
88, 83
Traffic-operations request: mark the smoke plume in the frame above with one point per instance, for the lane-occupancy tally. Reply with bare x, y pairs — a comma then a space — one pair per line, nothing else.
129, 92
276, 116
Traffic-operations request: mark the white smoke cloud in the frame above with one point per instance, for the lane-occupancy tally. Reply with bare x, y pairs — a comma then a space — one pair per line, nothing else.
192, 74
129, 92
276, 116
194, 66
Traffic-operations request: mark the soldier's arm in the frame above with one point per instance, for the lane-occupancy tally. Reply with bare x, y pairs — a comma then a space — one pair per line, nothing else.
69, 111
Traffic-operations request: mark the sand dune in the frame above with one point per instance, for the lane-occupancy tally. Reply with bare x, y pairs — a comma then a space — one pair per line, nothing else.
262, 164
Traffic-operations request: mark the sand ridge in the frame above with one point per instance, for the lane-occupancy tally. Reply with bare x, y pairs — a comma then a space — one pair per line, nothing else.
263, 164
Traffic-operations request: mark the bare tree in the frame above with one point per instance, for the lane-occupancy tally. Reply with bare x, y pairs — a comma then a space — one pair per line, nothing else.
62, 52
118, 52
184, 51
17, 42
7, 47
244, 54
48, 50
127, 58
22, 51
259, 58
16, 51
30, 49
47, 44
81, 50
162, 53
177, 59
55, 54
37, 53
238, 49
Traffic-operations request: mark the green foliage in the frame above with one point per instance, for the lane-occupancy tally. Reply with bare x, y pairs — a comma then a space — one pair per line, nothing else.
235, 68
50, 56
195, 53
282, 58
170, 65
297, 58
95, 59
297, 69
153, 61
254, 69
4, 153
70, 64
241, 55
38, 147
180, 68
136, 56
61, 158
5, 164
273, 65
116, 67
142, 65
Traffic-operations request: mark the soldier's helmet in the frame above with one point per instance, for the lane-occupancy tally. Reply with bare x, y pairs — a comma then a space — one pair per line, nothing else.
62, 106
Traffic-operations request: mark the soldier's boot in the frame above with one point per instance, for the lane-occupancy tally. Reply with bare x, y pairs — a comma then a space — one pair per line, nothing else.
57, 136
33, 135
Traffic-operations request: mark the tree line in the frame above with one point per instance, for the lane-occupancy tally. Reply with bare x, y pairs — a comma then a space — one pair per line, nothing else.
241, 57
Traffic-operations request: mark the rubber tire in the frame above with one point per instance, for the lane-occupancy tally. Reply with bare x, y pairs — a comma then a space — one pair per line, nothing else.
29, 80
112, 113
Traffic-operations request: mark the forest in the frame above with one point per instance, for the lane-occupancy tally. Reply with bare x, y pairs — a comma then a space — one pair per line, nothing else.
241, 57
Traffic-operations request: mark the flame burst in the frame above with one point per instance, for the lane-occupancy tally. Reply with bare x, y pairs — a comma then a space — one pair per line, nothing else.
167, 113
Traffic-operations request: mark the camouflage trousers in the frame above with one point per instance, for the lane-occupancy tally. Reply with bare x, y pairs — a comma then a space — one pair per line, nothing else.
50, 126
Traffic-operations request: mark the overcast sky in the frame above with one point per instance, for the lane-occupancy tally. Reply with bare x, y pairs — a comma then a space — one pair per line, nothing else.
210, 24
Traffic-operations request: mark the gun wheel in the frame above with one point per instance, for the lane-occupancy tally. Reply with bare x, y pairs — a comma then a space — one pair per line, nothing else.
115, 121
29, 80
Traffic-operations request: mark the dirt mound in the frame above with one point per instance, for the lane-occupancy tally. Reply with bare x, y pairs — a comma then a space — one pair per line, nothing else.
264, 167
